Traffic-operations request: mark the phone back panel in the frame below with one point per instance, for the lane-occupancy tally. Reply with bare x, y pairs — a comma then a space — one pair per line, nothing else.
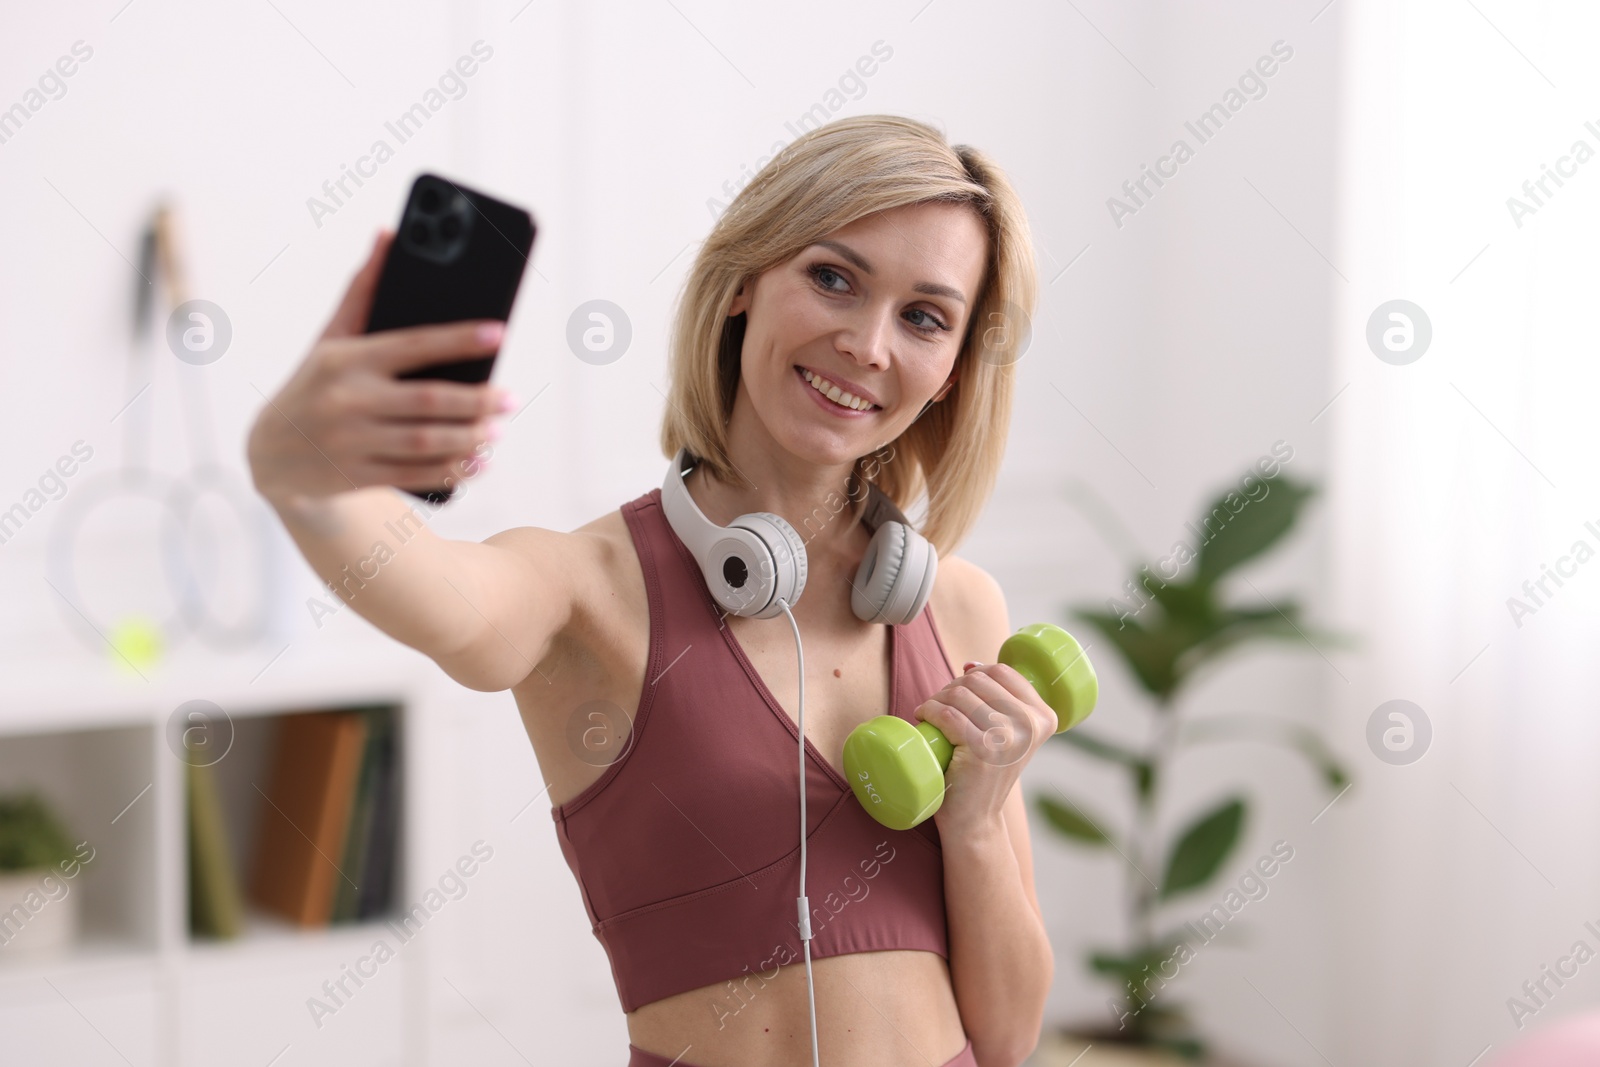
458, 254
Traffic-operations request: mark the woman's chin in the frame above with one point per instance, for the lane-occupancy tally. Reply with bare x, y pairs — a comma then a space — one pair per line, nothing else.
824, 448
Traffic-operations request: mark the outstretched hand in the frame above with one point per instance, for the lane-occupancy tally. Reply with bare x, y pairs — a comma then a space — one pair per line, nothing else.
343, 421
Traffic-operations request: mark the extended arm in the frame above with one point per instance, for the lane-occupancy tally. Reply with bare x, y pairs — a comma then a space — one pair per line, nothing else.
325, 450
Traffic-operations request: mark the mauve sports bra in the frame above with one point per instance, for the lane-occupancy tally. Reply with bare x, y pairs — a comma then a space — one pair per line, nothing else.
686, 849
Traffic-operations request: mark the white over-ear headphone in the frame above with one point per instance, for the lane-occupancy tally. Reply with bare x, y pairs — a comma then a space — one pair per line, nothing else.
758, 559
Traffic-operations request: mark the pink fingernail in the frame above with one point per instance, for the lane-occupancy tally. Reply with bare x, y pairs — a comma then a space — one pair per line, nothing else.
509, 401
493, 432
490, 333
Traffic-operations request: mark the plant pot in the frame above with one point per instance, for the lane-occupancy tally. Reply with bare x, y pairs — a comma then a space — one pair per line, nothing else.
36, 918
1058, 1049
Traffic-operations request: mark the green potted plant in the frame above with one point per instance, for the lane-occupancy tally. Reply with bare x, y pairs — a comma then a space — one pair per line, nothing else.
1165, 633
38, 911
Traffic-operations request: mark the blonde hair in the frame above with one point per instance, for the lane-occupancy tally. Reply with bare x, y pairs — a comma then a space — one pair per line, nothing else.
826, 179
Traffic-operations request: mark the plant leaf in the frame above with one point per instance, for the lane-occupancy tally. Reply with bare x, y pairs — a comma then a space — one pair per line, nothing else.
31, 837
1114, 965
1257, 525
1144, 780
1311, 746
1130, 965
1238, 627
1070, 821
1193, 603
1163, 651
1202, 847
1150, 654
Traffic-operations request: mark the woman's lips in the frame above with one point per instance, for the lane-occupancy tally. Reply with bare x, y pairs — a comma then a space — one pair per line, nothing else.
828, 405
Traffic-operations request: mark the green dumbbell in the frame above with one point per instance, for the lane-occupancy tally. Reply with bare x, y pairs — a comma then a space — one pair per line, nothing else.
897, 769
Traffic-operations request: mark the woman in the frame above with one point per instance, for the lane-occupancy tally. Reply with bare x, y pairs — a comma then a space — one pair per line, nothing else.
870, 258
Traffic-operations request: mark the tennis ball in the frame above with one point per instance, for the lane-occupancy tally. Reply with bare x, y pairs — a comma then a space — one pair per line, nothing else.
136, 642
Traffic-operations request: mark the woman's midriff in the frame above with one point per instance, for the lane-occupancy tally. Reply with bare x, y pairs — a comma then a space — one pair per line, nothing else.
874, 1009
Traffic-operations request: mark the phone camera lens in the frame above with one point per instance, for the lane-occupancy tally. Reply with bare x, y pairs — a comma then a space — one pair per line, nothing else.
429, 200
419, 232
450, 227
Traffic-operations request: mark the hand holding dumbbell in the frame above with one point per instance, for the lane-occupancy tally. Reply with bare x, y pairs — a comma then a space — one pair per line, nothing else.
896, 769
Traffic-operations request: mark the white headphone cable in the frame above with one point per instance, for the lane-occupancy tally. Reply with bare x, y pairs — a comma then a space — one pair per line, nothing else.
803, 904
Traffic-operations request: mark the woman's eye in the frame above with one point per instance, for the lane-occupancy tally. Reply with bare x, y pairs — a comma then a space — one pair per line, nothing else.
929, 323
825, 276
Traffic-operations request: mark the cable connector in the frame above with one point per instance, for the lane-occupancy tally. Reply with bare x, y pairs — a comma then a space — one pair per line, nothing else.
804, 904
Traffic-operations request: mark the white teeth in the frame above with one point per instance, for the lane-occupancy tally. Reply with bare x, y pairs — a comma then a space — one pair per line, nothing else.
834, 393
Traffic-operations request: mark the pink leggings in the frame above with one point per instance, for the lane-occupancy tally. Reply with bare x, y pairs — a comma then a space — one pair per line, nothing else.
638, 1057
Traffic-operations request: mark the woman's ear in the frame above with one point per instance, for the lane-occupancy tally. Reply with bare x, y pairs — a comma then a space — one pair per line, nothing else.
741, 300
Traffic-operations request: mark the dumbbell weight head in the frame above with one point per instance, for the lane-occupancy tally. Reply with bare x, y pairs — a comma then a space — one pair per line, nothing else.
1054, 664
896, 769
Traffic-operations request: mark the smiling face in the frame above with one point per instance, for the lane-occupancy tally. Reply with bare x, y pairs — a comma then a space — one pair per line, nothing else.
845, 342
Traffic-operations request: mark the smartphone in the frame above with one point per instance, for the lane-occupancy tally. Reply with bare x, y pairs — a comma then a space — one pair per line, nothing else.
457, 254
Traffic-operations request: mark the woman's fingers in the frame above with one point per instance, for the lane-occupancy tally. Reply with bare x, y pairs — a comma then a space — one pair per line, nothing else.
423, 442
1005, 676
952, 722
422, 398
393, 352
1004, 728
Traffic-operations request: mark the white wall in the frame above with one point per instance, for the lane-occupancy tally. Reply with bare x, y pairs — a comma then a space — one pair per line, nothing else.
1187, 341
1462, 476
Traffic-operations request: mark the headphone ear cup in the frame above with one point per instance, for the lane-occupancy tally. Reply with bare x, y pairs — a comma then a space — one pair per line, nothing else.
738, 571
895, 577
782, 573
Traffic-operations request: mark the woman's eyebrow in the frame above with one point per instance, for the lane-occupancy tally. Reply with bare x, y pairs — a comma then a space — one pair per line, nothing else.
854, 257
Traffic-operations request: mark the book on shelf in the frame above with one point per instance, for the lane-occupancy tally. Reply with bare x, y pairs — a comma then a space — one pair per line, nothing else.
216, 907
365, 852
305, 818
377, 882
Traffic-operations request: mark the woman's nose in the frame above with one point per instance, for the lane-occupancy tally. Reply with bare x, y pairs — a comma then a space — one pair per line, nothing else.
866, 339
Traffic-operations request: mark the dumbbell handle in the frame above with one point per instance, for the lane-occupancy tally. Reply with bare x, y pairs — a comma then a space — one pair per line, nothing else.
1033, 652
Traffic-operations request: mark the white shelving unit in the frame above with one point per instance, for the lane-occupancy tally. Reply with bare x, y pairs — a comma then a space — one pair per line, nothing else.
137, 989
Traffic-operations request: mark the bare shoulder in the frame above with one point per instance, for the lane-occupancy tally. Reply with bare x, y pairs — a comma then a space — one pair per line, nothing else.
970, 609
606, 621
596, 562
603, 528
